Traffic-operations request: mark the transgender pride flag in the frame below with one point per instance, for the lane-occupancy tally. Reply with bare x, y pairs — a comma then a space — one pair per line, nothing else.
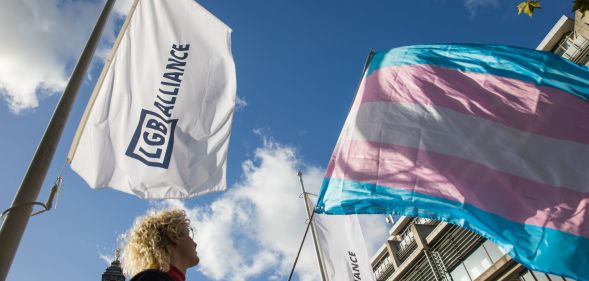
492, 138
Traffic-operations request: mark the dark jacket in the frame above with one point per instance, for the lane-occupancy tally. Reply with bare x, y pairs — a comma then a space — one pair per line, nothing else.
152, 275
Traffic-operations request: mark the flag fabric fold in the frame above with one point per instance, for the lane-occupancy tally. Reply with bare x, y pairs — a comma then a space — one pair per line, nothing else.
491, 138
161, 121
343, 249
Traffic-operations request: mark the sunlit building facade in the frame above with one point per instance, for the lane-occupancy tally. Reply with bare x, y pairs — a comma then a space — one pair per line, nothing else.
569, 38
427, 250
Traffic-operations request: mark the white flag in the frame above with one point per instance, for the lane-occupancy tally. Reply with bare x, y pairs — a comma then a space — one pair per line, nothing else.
343, 249
160, 125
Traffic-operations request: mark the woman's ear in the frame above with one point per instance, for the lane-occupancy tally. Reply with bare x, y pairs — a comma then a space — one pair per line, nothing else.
168, 239
174, 239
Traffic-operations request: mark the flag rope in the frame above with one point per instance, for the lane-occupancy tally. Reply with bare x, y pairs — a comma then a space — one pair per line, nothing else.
51, 202
59, 183
310, 214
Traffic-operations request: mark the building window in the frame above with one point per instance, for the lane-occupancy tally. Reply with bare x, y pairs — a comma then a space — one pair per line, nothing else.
477, 262
495, 253
383, 267
460, 274
406, 244
426, 221
406, 239
571, 47
529, 275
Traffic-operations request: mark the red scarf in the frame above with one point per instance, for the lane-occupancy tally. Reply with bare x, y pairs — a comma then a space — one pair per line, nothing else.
176, 274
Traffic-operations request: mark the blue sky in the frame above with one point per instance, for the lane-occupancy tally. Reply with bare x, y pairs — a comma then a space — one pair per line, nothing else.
298, 64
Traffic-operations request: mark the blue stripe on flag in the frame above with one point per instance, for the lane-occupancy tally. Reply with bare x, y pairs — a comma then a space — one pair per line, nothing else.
540, 68
533, 246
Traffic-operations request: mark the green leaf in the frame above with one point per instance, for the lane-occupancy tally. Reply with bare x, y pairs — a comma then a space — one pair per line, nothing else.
527, 7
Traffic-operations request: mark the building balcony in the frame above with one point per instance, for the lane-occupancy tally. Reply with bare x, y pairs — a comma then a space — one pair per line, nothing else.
574, 47
384, 268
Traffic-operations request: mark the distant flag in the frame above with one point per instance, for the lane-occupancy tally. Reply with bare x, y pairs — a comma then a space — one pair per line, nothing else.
492, 138
160, 123
343, 249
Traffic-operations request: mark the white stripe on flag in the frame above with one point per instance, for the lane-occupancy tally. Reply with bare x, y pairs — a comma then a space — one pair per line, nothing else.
161, 122
547, 160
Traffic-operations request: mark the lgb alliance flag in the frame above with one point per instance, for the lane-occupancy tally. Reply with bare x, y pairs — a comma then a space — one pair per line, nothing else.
343, 248
492, 138
160, 123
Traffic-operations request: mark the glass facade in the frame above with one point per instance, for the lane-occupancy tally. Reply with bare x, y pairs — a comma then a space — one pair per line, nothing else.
494, 252
529, 275
479, 261
460, 274
485, 256
449, 252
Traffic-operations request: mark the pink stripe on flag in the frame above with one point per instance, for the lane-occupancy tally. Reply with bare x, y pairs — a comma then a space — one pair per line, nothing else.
515, 198
513, 103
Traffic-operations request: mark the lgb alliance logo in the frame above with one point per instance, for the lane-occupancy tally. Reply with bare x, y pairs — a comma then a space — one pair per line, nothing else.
153, 140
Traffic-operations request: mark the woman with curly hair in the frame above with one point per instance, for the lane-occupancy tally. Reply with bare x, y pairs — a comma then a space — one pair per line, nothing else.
160, 247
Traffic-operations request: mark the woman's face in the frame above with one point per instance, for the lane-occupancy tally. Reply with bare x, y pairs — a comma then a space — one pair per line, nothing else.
186, 249
183, 250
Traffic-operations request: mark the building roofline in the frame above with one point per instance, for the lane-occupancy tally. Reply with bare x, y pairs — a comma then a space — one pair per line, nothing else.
560, 28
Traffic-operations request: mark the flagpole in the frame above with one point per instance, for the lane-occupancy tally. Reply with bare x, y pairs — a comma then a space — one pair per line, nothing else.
313, 231
300, 248
310, 213
366, 65
92, 100
17, 218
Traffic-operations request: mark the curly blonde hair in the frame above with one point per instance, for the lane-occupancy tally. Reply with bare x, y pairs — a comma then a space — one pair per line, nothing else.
147, 243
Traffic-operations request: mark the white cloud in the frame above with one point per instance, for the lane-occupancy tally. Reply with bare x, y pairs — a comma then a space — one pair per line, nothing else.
122, 7
240, 103
37, 55
107, 258
257, 225
255, 228
474, 5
